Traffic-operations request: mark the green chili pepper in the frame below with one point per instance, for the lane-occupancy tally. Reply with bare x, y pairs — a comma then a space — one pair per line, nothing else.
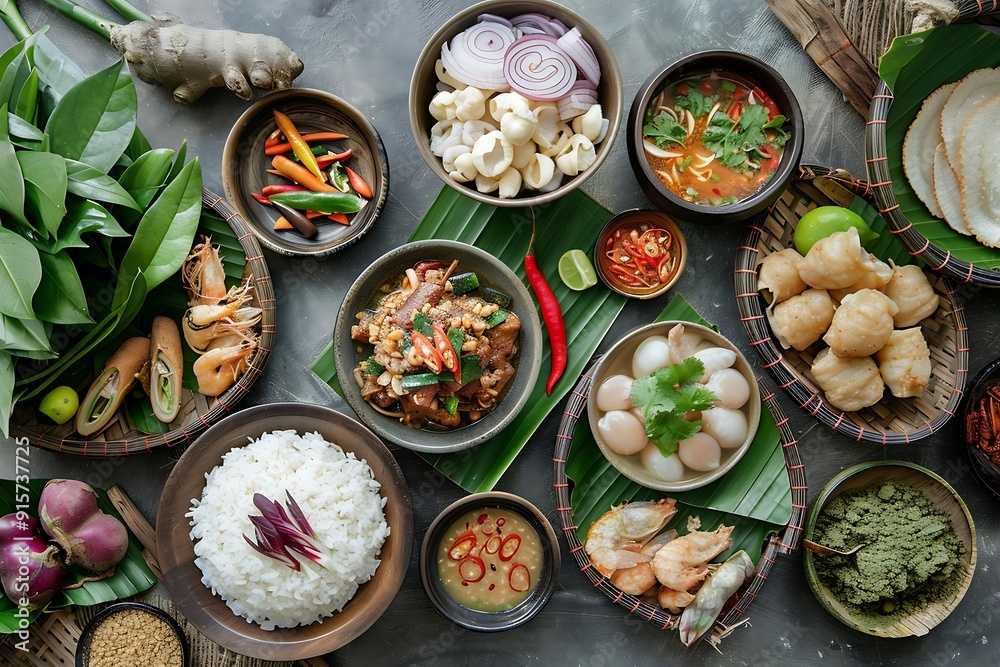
338, 177
324, 202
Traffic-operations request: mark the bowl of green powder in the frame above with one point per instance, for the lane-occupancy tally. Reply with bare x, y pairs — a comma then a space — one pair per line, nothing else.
919, 550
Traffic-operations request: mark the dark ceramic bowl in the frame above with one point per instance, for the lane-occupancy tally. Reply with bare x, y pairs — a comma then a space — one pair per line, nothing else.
245, 165
983, 466
424, 81
365, 294
702, 63
943, 497
87, 636
489, 621
655, 219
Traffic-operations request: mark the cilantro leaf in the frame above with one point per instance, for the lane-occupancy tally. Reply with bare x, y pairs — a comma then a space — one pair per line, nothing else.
695, 102
751, 125
775, 122
664, 130
666, 397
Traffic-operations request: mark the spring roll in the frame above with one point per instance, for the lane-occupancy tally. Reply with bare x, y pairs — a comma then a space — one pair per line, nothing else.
166, 368
110, 388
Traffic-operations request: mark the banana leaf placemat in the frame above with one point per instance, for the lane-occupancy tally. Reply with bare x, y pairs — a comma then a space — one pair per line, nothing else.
573, 221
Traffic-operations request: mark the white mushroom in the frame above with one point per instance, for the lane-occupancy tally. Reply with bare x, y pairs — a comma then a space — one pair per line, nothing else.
509, 102
442, 106
465, 168
492, 154
445, 134
446, 78
472, 130
538, 172
562, 140
523, 154
588, 124
517, 128
510, 183
486, 184
452, 152
470, 104
576, 156
547, 126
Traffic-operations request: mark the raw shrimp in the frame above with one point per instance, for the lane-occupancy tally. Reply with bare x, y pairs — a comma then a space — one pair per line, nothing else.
203, 274
200, 322
638, 579
216, 370
616, 539
700, 615
673, 601
682, 563
221, 333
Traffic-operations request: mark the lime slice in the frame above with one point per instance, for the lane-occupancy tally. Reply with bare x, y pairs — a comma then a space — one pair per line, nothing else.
576, 271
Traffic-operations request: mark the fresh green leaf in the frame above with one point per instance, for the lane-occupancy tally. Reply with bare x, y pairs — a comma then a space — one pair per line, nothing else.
666, 397
140, 413
11, 179
45, 187
14, 77
178, 164
137, 146
20, 273
57, 75
775, 122
144, 178
751, 124
94, 121
165, 234
664, 130
6, 391
27, 98
60, 298
89, 183
82, 216
695, 102
25, 338
722, 138
22, 129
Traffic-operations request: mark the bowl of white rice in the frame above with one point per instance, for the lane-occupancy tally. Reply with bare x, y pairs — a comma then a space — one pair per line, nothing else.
339, 477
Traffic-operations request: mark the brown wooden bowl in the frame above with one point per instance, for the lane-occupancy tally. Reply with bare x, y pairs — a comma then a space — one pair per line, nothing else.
208, 612
943, 497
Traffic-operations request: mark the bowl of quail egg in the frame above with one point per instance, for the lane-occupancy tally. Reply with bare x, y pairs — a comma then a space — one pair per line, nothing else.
674, 406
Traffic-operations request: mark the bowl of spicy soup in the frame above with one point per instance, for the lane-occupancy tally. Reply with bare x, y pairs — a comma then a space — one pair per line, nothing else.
640, 253
489, 562
714, 137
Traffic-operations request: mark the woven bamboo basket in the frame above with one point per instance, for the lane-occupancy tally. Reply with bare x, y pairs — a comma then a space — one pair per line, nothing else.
777, 544
891, 420
198, 412
878, 174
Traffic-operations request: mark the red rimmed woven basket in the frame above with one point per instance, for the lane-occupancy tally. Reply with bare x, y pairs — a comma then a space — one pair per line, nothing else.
892, 420
877, 162
197, 412
777, 544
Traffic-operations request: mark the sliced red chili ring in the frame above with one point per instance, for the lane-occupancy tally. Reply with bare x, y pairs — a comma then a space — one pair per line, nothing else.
472, 569
431, 357
509, 547
449, 357
492, 545
519, 578
462, 545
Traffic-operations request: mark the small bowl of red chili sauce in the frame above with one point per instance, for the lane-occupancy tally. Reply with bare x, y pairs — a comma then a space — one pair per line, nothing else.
981, 426
489, 562
640, 253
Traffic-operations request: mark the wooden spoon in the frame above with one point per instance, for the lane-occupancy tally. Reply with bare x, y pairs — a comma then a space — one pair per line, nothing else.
827, 551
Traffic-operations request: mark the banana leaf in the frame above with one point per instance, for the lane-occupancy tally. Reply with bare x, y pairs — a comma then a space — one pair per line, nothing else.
132, 576
913, 68
755, 496
573, 221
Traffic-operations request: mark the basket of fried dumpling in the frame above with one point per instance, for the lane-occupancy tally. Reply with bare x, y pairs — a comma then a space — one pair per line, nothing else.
865, 339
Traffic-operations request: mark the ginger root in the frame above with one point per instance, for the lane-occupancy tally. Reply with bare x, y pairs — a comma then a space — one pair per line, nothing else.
188, 60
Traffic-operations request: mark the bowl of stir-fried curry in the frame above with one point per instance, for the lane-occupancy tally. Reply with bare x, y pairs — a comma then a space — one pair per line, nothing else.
438, 346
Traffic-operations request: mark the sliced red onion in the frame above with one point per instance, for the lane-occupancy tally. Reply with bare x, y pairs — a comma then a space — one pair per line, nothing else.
493, 18
579, 50
539, 22
560, 26
582, 85
530, 30
538, 69
469, 73
575, 104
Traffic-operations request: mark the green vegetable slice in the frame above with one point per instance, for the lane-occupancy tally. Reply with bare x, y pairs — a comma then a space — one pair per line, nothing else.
472, 368
495, 296
663, 130
422, 324
372, 367
464, 283
450, 404
496, 318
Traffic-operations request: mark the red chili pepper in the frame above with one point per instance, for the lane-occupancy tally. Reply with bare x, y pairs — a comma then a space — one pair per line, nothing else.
682, 89
325, 161
519, 578
551, 313
705, 86
477, 571
763, 98
275, 189
432, 358
462, 545
447, 351
492, 545
261, 199
273, 139
772, 160
736, 110
278, 149
509, 547
340, 217
358, 184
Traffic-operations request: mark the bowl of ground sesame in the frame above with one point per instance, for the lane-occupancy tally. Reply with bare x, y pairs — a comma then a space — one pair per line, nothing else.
127, 634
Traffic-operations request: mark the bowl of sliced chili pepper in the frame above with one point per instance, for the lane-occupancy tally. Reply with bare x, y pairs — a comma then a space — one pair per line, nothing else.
640, 253
307, 170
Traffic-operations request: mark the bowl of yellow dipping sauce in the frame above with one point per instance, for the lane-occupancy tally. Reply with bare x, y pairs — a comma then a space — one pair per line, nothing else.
489, 562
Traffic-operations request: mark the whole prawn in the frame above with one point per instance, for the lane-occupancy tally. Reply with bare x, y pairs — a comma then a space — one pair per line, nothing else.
616, 539
700, 615
203, 274
217, 369
683, 563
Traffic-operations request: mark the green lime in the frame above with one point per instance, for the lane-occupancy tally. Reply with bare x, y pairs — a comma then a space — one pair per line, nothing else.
576, 271
826, 220
60, 404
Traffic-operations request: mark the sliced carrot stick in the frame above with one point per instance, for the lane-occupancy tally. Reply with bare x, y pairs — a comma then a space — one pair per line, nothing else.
278, 149
282, 224
358, 183
340, 217
299, 174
